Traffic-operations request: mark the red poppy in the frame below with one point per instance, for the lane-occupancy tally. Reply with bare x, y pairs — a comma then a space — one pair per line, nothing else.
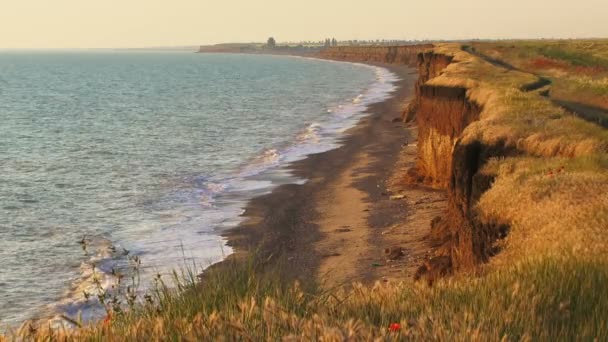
394, 327
108, 318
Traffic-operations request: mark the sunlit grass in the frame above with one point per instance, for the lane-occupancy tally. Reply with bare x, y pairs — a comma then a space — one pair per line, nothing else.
578, 68
546, 298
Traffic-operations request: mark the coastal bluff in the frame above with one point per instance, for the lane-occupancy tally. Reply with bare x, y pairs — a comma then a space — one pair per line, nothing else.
513, 164
406, 55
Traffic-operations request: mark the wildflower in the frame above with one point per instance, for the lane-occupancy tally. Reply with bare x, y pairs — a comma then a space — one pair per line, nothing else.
394, 327
108, 319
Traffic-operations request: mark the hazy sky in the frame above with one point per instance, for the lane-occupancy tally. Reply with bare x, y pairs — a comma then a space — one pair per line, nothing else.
139, 23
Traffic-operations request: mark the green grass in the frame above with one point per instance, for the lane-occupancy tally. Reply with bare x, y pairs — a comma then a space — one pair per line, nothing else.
576, 58
578, 68
586, 53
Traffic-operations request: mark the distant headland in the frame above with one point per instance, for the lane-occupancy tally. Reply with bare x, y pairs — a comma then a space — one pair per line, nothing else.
271, 46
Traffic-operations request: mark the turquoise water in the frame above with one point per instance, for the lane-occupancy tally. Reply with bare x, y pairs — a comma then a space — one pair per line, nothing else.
151, 153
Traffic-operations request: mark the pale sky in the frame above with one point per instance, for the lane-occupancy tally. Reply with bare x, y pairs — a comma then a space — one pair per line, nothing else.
145, 23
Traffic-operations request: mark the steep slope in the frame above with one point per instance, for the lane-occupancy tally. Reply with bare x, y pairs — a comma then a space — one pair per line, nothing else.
379, 54
487, 137
514, 165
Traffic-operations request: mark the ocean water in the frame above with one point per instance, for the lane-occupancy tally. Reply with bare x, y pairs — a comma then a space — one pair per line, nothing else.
149, 155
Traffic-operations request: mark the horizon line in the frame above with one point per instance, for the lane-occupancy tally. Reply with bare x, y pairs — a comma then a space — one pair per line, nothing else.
185, 46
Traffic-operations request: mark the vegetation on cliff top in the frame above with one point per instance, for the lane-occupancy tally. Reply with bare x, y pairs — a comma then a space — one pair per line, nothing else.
577, 69
549, 169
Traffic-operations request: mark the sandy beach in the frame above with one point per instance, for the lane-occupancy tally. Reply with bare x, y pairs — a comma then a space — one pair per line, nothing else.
338, 227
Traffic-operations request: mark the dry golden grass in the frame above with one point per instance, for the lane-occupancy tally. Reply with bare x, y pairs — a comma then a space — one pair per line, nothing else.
560, 298
554, 206
523, 119
554, 196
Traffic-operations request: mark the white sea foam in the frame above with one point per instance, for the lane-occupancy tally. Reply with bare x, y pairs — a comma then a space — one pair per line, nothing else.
220, 203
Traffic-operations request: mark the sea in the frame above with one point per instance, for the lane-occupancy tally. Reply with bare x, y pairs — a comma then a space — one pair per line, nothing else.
112, 161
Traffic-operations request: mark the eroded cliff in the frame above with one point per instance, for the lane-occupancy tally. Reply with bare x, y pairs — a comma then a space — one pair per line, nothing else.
514, 166
479, 125
379, 54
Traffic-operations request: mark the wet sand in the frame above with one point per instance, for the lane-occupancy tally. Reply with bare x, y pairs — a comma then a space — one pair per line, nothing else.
335, 228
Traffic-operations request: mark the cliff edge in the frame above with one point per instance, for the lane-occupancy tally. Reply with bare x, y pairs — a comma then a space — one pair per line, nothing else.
524, 178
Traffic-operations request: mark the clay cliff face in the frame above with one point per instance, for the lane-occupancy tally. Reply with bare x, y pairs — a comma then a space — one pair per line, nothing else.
480, 124
442, 113
407, 55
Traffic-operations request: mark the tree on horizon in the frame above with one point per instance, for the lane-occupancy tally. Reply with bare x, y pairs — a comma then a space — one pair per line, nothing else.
271, 43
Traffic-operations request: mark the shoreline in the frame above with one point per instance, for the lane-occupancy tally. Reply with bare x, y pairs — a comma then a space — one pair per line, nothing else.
54, 315
333, 222
296, 170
